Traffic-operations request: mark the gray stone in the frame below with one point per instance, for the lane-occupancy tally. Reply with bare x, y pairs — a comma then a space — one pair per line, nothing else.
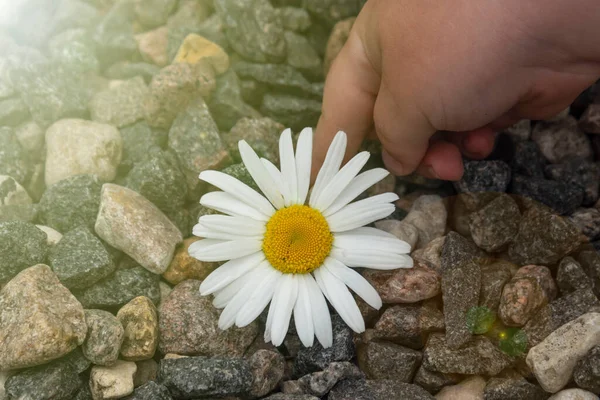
332, 11
39, 319
560, 140
227, 105
262, 134
320, 383
188, 325
193, 377
13, 111
84, 393
114, 34
139, 140
383, 389
493, 278
104, 337
315, 358
294, 18
590, 119
120, 288
267, 371
194, 137
528, 159
460, 258
496, 224
147, 371
75, 49
571, 277
77, 360
278, 78
509, 389
22, 245
140, 322
578, 172
563, 197
150, 391
544, 238
429, 215
477, 357
13, 159
76, 146
112, 382
302, 56
120, 105
587, 220
284, 396
154, 13
129, 222
402, 230
484, 176
383, 360
31, 139
54, 381
253, 29
291, 111
80, 259
590, 262
587, 371
126, 70
432, 381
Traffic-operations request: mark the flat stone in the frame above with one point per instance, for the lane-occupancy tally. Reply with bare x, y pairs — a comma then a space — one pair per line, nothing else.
262, 134
291, 111
13, 158
432, 381
129, 222
39, 319
267, 371
543, 238
493, 278
76, 146
501, 389
153, 45
384, 389
253, 29
56, 381
429, 215
553, 360
193, 377
320, 383
104, 337
112, 382
570, 276
188, 325
383, 360
71, 202
140, 322
337, 40
460, 258
528, 160
478, 357
469, 389
563, 197
561, 140
194, 137
120, 105
22, 245
587, 220
578, 172
587, 372
315, 358
494, 226
80, 259
227, 104
408, 285
573, 394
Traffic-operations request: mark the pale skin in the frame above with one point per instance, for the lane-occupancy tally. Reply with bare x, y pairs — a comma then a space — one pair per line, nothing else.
434, 79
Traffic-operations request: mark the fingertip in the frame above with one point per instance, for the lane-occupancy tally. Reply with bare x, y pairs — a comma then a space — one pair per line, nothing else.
479, 143
442, 161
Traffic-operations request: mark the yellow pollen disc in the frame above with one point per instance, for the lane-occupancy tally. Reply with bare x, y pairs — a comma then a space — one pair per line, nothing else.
297, 240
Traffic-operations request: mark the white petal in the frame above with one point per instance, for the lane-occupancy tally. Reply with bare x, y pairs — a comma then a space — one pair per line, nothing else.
259, 299
302, 314
354, 281
347, 218
224, 296
230, 313
228, 204
359, 184
205, 233
224, 250
303, 163
277, 177
284, 299
260, 174
331, 165
341, 180
229, 272
267, 334
370, 231
358, 242
288, 165
341, 299
320, 312
239, 190
235, 225
372, 259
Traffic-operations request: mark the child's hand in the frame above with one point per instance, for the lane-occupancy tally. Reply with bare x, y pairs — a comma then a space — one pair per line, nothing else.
413, 68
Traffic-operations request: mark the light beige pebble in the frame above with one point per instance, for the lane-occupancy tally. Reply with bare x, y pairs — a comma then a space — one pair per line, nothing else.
53, 235
400, 229
429, 215
574, 394
552, 361
112, 382
469, 389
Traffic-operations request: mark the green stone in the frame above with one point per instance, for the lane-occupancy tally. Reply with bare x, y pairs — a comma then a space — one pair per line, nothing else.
293, 112
262, 134
22, 245
480, 319
513, 341
302, 56
127, 70
120, 105
139, 140
13, 111
19, 212
278, 77
80, 259
56, 381
75, 48
105, 335
13, 159
227, 105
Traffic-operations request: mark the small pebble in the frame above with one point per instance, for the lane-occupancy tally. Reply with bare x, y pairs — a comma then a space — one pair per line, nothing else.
183, 266
104, 337
112, 382
12, 193
54, 381
139, 319
574, 394
494, 226
484, 176
408, 285
267, 371
120, 105
560, 140
383, 360
428, 214
571, 277
469, 389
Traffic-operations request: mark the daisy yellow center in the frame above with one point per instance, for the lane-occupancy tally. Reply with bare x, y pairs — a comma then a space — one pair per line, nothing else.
297, 239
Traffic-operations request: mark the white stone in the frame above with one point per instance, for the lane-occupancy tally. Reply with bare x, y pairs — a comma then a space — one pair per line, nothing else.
574, 394
112, 382
77, 146
469, 389
11, 193
552, 361
400, 229
131, 223
428, 214
53, 235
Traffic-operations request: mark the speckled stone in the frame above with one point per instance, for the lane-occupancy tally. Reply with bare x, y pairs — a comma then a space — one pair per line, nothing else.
267, 371
484, 176
587, 220
194, 137
543, 238
112, 382
54, 381
12, 193
13, 158
80, 259
188, 326
432, 381
578, 172
320, 383
337, 40
590, 262
39, 319
22, 245
571, 277
587, 371
384, 389
227, 104
561, 140
429, 215
153, 45
193, 377
383, 360
104, 337
478, 357
140, 322
129, 222
76, 146
553, 360
279, 78
563, 197
72, 202
77, 360
493, 278
460, 258
292, 111
496, 224
150, 391
120, 288
463, 205
590, 119
120, 105
503, 389
528, 160
409, 285
147, 371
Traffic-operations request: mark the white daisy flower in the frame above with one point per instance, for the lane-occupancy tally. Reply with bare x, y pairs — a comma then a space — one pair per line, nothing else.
291, 253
